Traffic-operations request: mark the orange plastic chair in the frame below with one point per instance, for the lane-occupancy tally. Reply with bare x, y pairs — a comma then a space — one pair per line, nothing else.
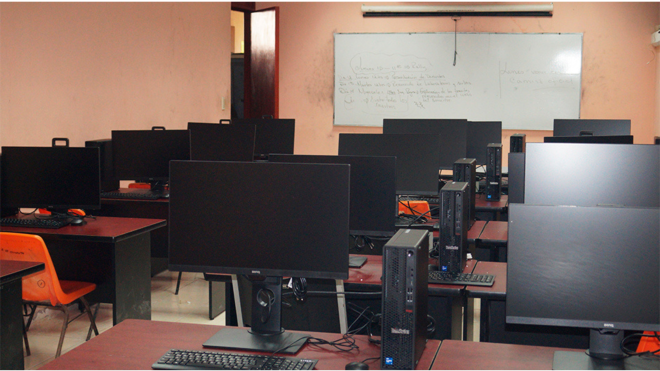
78, 212
648, 344
139, 185
44, 288
414, 208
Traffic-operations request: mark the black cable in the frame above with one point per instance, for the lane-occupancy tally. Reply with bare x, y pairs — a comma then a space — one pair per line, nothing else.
369, 359
299, 287
422, 216
333, 293
629, 352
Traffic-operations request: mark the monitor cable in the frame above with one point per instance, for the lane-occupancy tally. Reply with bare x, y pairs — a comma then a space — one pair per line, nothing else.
630, 352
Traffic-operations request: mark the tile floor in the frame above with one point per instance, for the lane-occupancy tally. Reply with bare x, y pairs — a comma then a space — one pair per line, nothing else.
190, 306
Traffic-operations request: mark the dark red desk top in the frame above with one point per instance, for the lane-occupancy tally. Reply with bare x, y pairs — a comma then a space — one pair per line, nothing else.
498, 290
102, 229
468, 355
495, 232
371, 272
137, 344
481, 204
13, 269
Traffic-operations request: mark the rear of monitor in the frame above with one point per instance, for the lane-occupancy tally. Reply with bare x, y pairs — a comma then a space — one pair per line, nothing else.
453, 135
479, 135
221, 142
591, 175
108, 180
144, 155
602, 139
597, 127
272, 136
417, 163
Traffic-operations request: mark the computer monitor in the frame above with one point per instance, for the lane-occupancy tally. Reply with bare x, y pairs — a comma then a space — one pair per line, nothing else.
576, 127
612, 139
260, 219
273, 135
592, 174
220, 142
479, 135
585, 267
55, 178
453, 134
417, 158
145, 155
373, 190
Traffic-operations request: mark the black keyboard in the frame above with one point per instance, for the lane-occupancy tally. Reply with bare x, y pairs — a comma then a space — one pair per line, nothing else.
445, 278
132, 195
177, 359
33, 223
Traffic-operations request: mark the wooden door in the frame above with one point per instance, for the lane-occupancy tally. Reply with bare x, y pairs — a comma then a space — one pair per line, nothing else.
262, 67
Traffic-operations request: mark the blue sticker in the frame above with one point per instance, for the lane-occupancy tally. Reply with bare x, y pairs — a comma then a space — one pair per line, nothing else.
444, 268
389, 361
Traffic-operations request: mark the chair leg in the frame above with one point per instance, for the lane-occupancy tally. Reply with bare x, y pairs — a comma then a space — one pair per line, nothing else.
92, 318
64, 326
178, 282
33, 308
25, 340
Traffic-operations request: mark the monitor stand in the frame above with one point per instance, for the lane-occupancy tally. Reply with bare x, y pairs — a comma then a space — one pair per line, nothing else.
604, 354
266, 333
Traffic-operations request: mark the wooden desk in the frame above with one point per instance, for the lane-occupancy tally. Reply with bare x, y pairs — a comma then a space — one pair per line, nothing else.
467, 355
137, 344
151, 209
11, 313
111, 252
493, 326
495, 237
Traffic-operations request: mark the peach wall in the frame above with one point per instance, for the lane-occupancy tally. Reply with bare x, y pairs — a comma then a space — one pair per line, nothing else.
80, 70
618, 72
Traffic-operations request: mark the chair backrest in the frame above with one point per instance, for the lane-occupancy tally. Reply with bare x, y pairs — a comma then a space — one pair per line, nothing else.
78, 212
39, 286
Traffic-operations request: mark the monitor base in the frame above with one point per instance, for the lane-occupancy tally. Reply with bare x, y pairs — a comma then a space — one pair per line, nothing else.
566, 360
239, 338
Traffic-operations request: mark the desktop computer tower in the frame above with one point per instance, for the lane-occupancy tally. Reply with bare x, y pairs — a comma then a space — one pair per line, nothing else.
494, 172
517, 178
108, 180
405, 299
657, 140
452, 245
465, 171
517, 143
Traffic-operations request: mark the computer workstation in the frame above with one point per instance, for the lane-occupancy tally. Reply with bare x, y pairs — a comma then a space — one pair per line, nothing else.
272, 135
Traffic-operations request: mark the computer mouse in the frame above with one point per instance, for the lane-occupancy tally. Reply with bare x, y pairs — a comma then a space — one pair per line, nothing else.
77, 221
357, 366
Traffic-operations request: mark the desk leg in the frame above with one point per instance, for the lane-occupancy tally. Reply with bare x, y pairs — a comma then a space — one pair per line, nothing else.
217, 303
11, 329
132, 278
457, 324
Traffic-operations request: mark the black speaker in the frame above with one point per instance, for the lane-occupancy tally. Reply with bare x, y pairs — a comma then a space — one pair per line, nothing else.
452, 246
494, 172
405, 299
465, 171
108, 180
517, 178
517, 143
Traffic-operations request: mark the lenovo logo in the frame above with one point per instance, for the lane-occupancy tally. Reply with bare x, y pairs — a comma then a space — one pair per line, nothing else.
452, 247
400, 331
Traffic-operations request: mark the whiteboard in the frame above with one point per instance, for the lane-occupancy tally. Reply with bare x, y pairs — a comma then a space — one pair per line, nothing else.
523, 80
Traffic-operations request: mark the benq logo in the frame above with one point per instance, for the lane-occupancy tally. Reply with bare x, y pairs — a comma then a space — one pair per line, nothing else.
608, 325
400, 331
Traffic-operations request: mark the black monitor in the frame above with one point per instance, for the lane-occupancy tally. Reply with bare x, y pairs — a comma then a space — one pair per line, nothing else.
577, 127
260, 219
417, 158
452, 133
55, 178
479, 135
585, 267
592, 174
220, 142
144, 155
273, 135
612, 139
373, 190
